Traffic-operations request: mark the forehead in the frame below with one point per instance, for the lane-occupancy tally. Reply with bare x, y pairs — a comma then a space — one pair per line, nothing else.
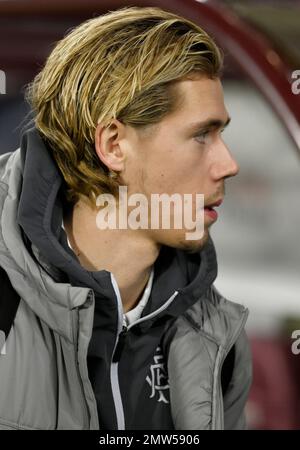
199, 99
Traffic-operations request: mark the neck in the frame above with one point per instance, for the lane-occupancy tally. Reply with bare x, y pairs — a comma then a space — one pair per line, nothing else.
128, 254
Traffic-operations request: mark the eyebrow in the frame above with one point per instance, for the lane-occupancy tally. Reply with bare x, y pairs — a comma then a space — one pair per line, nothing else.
208, 124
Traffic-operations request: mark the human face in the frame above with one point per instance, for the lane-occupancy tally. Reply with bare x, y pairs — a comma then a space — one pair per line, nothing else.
185, 155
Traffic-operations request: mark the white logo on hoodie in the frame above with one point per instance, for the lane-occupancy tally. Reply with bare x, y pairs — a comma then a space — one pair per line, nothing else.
158, 379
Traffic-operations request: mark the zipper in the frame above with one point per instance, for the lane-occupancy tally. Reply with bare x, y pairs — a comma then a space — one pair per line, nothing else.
123, 333
119, 346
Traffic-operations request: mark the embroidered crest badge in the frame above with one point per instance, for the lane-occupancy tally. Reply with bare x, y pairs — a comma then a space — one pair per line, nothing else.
158, 378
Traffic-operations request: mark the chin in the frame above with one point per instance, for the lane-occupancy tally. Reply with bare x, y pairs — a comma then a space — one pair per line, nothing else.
191, 246
195, 246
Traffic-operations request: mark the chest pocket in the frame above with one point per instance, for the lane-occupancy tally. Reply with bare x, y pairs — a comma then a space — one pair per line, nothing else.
227, 370
9, 303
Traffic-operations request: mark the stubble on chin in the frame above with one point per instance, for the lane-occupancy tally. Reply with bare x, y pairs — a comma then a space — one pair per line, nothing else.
195, 246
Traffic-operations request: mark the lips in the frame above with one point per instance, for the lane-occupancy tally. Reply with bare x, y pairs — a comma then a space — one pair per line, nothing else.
215, 204
210, 212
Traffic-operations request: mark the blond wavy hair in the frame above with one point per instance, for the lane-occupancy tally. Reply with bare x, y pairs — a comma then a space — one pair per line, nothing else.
121, 65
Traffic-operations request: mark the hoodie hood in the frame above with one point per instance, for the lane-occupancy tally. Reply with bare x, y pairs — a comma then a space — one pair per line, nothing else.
31, 216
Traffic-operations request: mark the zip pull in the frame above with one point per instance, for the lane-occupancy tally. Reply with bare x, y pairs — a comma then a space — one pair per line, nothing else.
120, 345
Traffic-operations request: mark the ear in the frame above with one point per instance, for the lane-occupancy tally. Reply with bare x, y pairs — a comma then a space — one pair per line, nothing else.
108, 145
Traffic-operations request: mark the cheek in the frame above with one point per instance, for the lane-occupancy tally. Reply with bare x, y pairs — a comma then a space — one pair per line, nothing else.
173, 169
174, 180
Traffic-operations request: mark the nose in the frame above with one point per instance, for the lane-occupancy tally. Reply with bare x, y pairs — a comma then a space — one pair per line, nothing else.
225, 165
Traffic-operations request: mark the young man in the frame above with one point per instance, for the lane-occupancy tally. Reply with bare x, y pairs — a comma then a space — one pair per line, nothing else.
121, 328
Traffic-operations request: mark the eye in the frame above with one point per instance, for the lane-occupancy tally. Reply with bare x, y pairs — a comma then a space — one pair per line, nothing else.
202, 137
